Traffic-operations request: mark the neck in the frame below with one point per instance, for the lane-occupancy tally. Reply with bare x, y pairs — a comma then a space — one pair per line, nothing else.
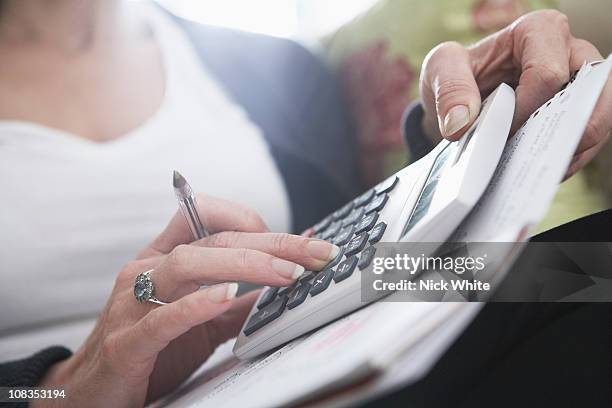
70, 25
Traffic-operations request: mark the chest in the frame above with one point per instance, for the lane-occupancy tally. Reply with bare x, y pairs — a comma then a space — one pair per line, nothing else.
97, 95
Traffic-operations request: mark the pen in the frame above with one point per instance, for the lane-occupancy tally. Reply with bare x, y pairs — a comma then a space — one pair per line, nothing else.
187, 203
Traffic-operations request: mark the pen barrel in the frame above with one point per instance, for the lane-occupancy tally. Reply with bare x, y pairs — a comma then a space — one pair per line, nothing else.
190, 212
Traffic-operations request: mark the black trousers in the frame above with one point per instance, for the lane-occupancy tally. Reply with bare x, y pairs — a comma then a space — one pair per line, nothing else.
527, 354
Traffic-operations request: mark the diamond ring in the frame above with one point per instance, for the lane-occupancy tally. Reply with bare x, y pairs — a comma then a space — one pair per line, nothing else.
144, 289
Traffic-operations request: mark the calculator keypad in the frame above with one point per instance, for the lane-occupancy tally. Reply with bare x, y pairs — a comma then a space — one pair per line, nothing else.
351, 227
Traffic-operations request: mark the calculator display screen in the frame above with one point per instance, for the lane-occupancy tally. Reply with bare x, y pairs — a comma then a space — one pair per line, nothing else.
424, 201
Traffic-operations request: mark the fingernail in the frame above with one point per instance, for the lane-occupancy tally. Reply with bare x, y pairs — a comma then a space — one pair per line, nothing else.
456, 119
322, 250
287, 269
222, 293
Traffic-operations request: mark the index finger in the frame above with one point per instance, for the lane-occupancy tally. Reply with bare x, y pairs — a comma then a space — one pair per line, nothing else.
217, 215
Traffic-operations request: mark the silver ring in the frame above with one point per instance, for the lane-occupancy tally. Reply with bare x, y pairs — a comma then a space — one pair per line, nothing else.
144, 289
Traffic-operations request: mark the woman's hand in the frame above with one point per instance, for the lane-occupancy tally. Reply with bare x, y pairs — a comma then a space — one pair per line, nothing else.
536, 54
138, 352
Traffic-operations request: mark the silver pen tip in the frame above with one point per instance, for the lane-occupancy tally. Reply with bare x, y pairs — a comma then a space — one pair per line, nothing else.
178, 181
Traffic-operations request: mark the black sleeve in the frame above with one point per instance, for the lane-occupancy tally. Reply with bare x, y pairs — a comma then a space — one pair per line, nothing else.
416, 140
28, 372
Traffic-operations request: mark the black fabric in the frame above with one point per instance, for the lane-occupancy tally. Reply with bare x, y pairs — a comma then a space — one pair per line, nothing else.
294, 99
28, 372
527, 354
418, 143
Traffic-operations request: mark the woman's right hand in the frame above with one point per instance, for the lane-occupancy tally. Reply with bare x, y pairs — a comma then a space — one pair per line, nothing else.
139, 352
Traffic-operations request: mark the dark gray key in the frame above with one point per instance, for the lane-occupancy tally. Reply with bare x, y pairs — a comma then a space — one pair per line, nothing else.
324, 223
345, 269
307, 276
332, 230
377, 204
285, 290
265, 315
344, 236
299, 295
335, 261
321, 282
387, 185
366, 257
364, 198
343, 212
377, 232
267, 297
366, 223
353, 217
356, 244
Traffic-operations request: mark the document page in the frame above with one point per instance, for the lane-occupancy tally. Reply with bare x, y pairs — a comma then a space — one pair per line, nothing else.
534, 162
341, 353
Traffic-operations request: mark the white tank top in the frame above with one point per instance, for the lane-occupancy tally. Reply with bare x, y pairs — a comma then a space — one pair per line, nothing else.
73, 212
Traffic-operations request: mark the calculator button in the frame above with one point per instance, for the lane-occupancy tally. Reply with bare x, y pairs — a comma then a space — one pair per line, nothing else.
285, 290
364, 198
345, 269
343, 212
306, 277
267, 297
344, 236
387, 185
265, 315
322, 282
377, 232
353, 217
356, 244
366, 257
377, 204
334, 261
298, 295
366, 223
323, 224
331, 231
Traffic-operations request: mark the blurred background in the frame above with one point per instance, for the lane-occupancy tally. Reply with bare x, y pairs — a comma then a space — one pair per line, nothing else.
376, 47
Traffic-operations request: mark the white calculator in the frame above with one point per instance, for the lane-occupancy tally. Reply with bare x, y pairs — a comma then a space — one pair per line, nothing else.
424, 202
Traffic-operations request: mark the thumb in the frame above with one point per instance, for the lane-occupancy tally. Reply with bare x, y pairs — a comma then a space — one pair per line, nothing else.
449, 90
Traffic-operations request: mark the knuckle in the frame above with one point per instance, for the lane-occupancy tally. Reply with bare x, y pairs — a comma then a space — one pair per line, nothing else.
595, 132
223, 239
178, 256
552, 74
548, 15
110, 348
450, 88
440, 50
558, 18
535, 19
252, 221
244, 258
186, 309
150, 329
281, 244
127, 274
